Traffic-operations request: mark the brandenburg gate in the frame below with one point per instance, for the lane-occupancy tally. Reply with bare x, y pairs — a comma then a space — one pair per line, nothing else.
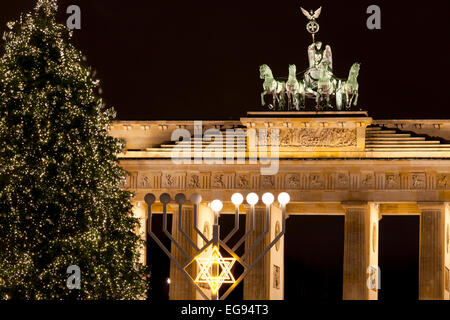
330, 163
319, 153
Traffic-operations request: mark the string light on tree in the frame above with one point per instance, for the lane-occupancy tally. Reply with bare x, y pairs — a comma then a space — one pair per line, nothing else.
60, 200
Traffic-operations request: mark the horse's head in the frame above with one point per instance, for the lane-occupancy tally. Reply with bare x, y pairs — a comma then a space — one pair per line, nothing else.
292, 69
355, 68
264, 71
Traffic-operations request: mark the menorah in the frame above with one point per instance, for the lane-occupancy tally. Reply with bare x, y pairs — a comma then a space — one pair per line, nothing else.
214, 269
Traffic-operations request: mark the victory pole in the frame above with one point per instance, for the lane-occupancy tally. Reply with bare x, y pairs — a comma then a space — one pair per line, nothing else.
312, 27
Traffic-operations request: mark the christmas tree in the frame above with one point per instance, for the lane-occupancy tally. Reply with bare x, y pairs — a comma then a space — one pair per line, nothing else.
60, 200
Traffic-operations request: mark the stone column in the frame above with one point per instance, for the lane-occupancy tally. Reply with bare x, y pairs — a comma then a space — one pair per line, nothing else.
361, 277
205, 221
180, 287
256, 283
433, 251
276, 254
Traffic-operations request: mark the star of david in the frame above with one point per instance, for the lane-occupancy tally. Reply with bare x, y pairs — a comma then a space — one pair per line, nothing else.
215, 270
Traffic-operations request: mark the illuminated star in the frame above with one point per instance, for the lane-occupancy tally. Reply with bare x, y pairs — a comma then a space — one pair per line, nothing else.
215, 270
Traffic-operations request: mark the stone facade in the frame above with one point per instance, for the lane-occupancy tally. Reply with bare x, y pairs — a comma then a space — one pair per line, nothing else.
341, 163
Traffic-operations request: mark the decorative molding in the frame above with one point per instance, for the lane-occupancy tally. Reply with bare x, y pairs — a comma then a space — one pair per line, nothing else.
314, 180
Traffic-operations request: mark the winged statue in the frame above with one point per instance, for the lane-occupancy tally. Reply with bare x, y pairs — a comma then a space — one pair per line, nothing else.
313, 15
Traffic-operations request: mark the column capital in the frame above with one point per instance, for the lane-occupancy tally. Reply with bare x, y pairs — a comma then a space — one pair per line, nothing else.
431, 205
175, 207
355, 205
258, 206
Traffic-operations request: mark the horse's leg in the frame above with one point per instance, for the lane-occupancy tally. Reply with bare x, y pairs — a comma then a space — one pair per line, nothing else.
317, 99
262, 98
294, 101
346, 100
351, 100
282, 100
356, 98
289, 95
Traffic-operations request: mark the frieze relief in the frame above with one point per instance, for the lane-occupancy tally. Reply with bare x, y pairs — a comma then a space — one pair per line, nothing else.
171, 181
366, 180
392, 181
342, 180
267, 182
242, 181
218, 181
317, 181
318, 137
418, 180
222, 180
194, 181
145, 180
443, 181
292, 181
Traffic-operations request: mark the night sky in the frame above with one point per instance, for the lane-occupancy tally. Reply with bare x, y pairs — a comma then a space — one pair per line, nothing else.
200, 60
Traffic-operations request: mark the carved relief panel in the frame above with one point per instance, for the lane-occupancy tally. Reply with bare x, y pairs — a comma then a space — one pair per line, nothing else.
222, 180
367, 180
318, 137
267, 182
242, 181
316, 181
392, 181
341, 180
418, 180
171, 180
443, 181
292, 181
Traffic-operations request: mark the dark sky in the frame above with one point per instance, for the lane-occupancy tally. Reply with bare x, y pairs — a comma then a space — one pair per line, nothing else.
200, 59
